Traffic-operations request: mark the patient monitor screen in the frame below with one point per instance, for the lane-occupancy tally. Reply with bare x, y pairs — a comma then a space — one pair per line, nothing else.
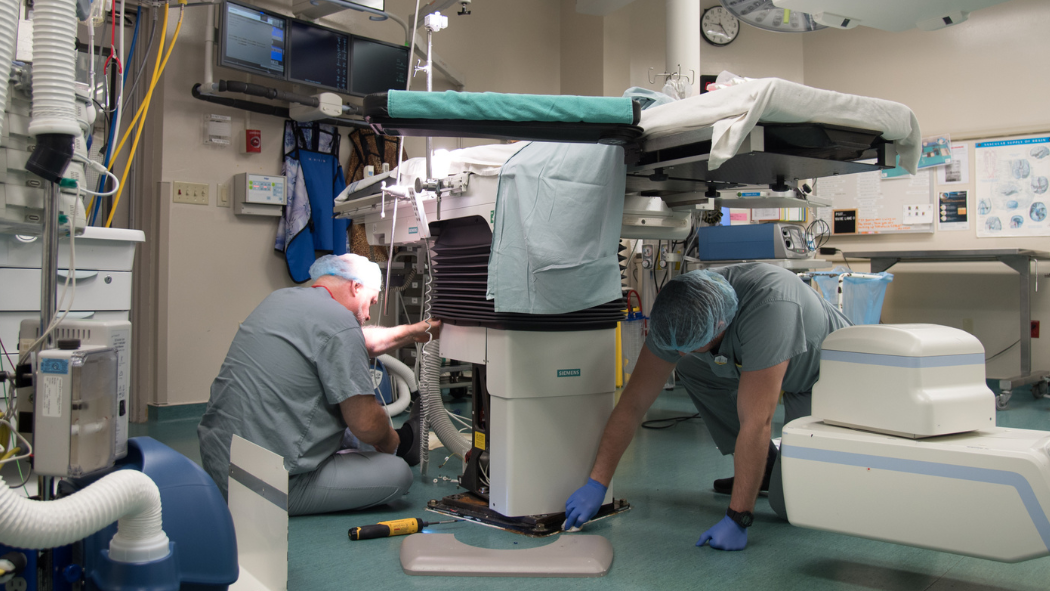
254, 40
318, 56
377, 67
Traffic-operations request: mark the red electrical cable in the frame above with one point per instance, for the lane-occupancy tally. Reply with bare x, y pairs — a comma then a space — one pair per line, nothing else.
113, 44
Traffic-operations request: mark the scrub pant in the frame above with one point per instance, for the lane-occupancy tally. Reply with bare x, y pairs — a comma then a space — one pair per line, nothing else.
715, 399
352, 480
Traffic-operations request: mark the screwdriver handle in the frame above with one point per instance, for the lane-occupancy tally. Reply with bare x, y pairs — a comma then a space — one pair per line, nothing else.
385, 529
369, 532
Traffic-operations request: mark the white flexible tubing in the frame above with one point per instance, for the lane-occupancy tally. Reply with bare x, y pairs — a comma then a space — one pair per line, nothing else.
404, 381
54, 68
395, 366
430, 376
402, 397
8, 28
128, 497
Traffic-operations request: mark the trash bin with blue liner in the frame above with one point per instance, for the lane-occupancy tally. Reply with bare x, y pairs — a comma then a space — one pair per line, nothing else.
858, 296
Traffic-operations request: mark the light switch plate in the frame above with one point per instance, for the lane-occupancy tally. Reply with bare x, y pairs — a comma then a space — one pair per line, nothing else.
223, 197
194, 193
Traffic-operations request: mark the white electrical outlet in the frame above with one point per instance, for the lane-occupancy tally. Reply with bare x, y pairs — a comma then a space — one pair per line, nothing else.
194, 193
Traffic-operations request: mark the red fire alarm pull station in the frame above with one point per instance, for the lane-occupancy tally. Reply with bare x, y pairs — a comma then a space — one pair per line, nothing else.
252, 141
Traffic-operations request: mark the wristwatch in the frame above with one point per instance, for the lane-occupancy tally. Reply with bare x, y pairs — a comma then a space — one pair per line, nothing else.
742, 518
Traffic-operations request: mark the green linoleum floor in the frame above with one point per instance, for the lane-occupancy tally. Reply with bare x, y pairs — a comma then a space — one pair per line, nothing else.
666, 476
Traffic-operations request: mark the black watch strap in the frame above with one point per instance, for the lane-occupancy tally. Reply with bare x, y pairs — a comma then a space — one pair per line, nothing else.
742, 518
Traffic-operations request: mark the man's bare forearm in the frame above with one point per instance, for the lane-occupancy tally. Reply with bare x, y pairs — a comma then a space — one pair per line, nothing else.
749, 465
619, 432
369, 423
380, 339
756, 403
642, 389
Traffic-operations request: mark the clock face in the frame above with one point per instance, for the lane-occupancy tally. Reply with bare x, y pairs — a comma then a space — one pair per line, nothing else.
765, 15
718, 27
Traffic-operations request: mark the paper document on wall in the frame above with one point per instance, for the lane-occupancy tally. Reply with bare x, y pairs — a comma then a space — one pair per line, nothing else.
1012, 183
952, 211
956, 172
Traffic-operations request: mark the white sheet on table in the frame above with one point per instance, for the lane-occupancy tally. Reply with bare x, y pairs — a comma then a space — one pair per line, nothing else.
485, 160
734, 112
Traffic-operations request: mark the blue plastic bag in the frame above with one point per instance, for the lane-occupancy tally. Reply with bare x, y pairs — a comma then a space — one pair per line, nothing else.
862, 297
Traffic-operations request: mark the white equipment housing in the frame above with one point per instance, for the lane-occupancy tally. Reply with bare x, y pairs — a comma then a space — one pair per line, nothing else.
22, 193
328, 105
549, 406
115, 334
984, 492
913, 380
76, 411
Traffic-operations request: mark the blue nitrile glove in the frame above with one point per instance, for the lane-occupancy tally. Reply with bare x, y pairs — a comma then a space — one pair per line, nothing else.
584, 503
725, 535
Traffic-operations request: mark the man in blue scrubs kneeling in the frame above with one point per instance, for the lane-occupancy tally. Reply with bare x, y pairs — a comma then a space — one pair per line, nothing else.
297, 377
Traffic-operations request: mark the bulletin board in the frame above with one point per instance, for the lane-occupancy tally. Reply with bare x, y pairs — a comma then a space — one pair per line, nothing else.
866, 203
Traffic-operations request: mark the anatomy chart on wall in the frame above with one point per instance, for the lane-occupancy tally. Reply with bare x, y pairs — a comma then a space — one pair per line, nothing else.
1012, 182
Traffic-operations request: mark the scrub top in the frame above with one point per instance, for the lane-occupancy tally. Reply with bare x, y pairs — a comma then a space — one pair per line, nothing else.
779, 318
294, 359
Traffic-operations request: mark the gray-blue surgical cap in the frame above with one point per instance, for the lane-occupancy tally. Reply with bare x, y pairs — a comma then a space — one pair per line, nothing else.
691, 310
351, 267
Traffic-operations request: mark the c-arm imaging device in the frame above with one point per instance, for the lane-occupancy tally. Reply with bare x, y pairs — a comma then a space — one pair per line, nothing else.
902, 447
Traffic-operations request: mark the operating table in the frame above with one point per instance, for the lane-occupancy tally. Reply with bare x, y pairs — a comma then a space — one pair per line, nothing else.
537, 375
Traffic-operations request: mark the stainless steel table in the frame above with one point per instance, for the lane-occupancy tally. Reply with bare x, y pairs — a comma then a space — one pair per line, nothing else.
1019, 260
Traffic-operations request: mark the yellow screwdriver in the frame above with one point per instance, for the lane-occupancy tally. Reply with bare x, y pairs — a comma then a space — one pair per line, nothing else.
385, 529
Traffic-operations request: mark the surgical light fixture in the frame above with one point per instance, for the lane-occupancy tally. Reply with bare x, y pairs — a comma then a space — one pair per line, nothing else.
888, 15
764, 14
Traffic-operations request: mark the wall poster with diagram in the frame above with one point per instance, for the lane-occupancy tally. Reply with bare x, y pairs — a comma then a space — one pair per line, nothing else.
1012, 182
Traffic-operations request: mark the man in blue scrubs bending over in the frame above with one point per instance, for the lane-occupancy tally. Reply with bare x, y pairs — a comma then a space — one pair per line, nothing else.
739, 335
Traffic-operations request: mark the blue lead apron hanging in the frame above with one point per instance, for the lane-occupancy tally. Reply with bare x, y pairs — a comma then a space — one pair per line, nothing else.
307, 228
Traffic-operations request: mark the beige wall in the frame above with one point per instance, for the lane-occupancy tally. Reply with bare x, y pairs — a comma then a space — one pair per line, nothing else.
982, 78
214, 267
582, 57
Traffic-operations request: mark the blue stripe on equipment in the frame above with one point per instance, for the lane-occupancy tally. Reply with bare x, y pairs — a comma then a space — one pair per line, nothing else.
987, 475
902, 360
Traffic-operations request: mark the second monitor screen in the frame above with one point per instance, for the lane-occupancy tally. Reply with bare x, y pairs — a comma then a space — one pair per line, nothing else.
318, 56
377, 67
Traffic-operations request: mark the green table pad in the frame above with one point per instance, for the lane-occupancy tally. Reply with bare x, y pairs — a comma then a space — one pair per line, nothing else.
493, 106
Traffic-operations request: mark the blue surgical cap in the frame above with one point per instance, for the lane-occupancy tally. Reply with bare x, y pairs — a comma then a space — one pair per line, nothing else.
691, 310
351, 267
